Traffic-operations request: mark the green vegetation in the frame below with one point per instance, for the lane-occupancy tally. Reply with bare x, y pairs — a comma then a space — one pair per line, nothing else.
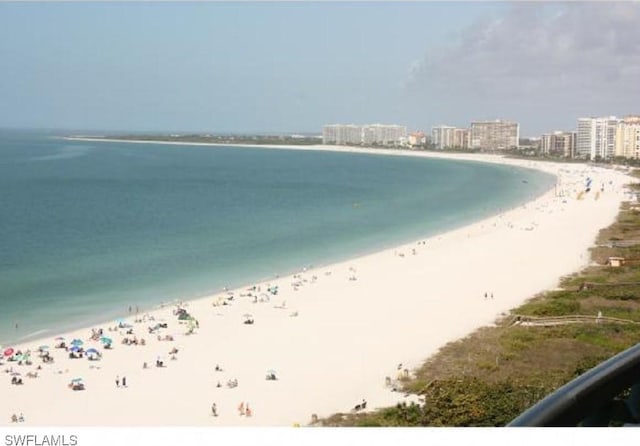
494, 374
301, 140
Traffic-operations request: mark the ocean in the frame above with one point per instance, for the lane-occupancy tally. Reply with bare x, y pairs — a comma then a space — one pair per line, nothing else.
88, 229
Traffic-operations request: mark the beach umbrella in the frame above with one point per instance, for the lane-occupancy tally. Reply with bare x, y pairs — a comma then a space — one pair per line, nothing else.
43, 347
106, 340
9, 351
75, 348
76, 380
92, 351
247, 315
77, 342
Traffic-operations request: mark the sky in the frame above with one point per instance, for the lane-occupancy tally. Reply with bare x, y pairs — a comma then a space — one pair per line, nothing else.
258, 67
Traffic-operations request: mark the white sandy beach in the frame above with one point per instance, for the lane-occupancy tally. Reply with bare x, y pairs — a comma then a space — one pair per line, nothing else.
339, 331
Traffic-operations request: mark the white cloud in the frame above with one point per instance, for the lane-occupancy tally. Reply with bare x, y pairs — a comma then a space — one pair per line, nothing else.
580, 57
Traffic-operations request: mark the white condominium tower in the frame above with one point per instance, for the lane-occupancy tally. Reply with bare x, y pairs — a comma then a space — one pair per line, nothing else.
342, 134
596, 137
448, 137
383, 134
495, 135
628, 137
442, 136
367, 134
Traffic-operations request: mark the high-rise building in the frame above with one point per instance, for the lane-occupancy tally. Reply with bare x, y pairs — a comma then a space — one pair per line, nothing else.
368, 134
442, 136
383, 134
494, 135
559, 143
461, 138
628, 137
596, 137
449, 137
342, 134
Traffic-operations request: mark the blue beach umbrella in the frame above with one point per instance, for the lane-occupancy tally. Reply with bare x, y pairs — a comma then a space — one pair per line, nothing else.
76, 380
106, 340
92, 351
77, 342
75, 348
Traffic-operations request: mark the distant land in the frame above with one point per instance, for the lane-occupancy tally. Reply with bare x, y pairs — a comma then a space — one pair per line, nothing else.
220, 139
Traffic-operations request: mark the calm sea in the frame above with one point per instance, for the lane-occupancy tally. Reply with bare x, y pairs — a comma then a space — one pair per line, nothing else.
89, 228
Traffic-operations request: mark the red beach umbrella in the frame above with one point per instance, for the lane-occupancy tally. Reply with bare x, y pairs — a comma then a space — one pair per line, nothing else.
8, 352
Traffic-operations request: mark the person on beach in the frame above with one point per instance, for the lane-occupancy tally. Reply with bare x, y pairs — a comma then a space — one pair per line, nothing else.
247, 411
117, 381
214, 410
124, 381
241, 408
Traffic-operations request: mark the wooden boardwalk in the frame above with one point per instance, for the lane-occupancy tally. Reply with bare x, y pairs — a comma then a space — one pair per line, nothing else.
548, 321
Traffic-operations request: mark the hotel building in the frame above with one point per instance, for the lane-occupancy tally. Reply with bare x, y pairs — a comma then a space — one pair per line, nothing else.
417, 139
494, 135
449, 137
350, 134
559, 143
596, 137
628, 137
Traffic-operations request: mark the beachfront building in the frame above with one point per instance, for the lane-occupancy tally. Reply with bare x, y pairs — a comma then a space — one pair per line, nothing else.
449, 137
442, 136
417, 139
383, 134
628, 138
558, 143
370, 134
461, 138
342, 134
596, 137
494, 135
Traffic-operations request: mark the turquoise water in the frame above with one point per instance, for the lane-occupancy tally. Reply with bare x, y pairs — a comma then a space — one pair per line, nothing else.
89, 228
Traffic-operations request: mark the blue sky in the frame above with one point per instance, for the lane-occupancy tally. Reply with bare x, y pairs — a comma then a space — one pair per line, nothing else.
294, 66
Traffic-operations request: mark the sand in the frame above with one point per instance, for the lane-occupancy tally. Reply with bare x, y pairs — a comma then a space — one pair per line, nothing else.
334, 335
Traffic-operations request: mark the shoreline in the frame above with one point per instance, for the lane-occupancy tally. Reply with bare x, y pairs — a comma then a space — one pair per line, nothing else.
327, 352
92, 320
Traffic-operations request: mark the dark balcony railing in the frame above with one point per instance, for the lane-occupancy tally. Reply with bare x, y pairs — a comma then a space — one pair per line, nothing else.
607, 395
